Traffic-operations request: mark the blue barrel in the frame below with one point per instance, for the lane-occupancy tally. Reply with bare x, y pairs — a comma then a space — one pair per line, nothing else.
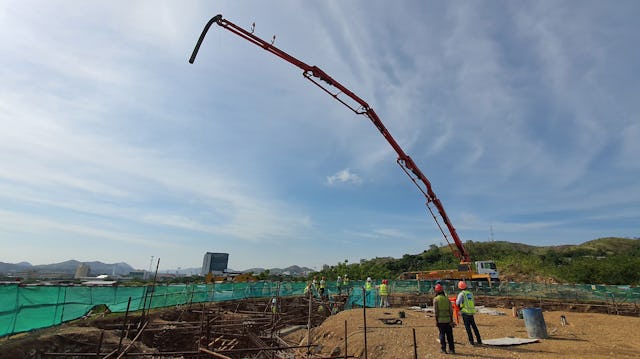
534, 322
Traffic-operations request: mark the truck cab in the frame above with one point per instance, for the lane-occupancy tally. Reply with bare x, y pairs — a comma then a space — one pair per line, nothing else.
487, 267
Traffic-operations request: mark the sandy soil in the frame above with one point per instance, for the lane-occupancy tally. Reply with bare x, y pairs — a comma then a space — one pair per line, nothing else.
586, 335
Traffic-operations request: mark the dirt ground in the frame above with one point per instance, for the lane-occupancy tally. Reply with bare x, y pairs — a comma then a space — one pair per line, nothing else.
587, 335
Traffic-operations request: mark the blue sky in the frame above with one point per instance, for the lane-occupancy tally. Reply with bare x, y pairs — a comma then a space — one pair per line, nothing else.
523, 115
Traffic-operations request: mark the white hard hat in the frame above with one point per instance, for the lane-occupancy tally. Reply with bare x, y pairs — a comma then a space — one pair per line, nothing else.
368, 279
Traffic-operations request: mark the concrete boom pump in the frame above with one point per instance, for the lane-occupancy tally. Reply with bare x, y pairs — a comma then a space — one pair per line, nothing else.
467, 269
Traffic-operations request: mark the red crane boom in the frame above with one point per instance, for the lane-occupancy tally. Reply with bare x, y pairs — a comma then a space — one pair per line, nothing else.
315, 75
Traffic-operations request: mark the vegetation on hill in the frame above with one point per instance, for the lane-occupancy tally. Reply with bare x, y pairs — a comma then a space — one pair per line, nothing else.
600, 261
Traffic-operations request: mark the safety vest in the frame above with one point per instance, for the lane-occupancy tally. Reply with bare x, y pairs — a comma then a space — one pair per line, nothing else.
345, 281
468, 306
368, 285
443, 313
322, 283
383, 289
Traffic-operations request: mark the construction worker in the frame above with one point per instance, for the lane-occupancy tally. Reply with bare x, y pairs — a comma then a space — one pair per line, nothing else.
368, 285
468, 309
323, 285
309, 288
384, 294
339, 284
436, 283
444, 319
345, 284
274, 305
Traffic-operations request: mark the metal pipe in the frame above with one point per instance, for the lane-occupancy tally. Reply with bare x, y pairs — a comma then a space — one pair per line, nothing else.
153, 286
345, 339
415, 345
364, 315
309, 324
124, 324
100, 344
133, 341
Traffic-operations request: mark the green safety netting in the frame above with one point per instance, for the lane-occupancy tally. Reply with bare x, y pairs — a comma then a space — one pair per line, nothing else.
31, 307
24, 308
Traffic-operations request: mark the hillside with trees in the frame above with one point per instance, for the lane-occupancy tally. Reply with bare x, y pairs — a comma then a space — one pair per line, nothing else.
600, 261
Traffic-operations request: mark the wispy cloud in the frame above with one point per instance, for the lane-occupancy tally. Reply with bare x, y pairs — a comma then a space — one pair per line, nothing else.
344, 176
521, 115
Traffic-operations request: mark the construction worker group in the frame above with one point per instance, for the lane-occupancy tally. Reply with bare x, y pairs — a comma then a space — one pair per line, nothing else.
445, 308
444, 313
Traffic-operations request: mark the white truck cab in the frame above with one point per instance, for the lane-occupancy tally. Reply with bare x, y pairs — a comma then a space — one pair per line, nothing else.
487, 267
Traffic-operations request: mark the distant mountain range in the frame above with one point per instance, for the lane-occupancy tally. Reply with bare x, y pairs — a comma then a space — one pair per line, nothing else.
96, 268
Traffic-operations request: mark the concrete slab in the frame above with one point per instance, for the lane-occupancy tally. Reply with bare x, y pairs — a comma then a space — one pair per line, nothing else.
508, 341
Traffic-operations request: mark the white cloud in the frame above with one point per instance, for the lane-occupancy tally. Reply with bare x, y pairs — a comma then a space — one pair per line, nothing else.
43, 226
344, 176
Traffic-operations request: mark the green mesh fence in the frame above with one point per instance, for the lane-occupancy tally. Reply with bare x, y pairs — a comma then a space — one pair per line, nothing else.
26, 308
32, 307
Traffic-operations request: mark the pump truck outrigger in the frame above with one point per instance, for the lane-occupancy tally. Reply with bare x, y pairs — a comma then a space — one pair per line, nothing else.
467, 270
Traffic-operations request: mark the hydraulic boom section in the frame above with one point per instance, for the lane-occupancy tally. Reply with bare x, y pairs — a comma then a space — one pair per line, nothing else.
322, 79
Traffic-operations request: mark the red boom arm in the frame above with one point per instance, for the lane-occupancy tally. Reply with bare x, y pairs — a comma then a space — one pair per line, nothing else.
312, 73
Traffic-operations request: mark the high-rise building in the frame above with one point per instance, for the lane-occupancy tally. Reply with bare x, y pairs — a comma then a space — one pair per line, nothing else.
216, 263
82, 271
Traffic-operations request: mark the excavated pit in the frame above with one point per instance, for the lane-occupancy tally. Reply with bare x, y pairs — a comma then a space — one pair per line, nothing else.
239, 329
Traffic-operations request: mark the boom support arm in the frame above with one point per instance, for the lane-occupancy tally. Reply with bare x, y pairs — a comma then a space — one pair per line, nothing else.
318, 76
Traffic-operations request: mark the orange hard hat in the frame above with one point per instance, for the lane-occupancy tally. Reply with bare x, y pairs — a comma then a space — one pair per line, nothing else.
462, 285
438, 288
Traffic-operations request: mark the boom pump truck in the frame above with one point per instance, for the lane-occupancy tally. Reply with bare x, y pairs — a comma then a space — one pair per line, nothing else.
467, 270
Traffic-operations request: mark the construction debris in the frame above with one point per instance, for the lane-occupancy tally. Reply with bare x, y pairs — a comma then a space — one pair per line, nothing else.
238, 329
249, 328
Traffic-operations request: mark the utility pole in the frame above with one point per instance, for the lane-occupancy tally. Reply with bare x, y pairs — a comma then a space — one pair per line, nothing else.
148, 274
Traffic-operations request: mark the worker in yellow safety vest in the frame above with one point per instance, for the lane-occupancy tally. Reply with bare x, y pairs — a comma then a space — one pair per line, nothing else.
468, 309
384, 294
323, 285
444, 319
368, 285
345, 284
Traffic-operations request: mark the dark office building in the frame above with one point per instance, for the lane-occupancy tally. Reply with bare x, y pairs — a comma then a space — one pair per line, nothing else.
216, 263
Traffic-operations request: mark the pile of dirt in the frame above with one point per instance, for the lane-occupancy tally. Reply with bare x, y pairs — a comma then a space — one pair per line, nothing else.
67, 338
589, 335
